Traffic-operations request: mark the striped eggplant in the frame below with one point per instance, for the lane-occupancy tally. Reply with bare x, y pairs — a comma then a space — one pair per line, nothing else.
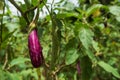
35, 49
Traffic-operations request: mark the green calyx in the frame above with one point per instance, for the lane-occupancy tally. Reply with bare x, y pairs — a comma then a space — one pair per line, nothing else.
31, 27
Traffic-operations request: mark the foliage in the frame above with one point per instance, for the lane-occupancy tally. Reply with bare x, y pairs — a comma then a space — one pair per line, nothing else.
88, 33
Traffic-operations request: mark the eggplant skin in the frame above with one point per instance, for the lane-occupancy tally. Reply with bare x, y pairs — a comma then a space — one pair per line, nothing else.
35, 49
78, 67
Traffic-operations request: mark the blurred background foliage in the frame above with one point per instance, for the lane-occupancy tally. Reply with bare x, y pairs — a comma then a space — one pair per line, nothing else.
86, 40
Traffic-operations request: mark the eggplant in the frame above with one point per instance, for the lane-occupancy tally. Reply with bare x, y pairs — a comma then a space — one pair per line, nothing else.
35, 49
78, 67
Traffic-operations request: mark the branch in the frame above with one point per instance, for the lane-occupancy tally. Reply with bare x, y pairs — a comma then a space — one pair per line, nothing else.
58, 69
48, 10
22, 13
6, 61
31, 9
54, 73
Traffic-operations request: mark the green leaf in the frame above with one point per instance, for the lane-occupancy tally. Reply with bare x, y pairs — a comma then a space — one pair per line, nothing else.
109, 68
72, 43
92, 9
90, 55
95, 46
115, 10
85, 36
71, 56
118, 18
61, 76
18, 60
28, 3
23, 7
26, 72
35, 2
8, 35
42, 4
15, 76
12, 26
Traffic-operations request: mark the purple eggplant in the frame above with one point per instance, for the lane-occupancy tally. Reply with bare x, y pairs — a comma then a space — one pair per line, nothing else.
35, 49
78, 67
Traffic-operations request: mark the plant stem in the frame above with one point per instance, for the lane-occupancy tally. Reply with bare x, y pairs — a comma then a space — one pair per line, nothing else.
2, 22
38, 73
55, 44
52, 66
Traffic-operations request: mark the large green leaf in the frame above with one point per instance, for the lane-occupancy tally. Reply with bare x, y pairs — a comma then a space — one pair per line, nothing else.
71, 56
85, 36
109, 68
115, 10
18, 60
